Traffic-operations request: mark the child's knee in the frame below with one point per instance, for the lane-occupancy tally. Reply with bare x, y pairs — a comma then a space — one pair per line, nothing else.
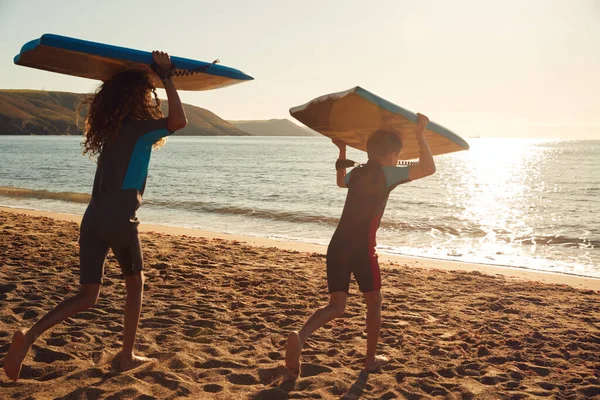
91, 300
135, 281
374, 299
337, 309
90, 297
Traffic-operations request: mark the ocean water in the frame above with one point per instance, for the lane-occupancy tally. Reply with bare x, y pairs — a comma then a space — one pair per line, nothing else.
511, 202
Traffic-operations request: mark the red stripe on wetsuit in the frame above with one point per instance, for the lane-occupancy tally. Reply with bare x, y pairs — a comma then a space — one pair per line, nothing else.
372, 257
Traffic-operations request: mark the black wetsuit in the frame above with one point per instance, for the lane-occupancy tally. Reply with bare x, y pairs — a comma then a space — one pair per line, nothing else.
352, 247
110, 219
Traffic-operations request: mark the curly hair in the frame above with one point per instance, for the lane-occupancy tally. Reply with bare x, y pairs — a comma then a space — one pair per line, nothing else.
126, 95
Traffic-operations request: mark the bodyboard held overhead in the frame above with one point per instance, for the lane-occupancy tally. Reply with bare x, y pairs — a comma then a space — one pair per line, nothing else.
354, 115
93, 60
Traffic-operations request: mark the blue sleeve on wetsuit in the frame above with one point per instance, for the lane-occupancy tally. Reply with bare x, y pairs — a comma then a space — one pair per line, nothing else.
347, 178
151, 131
395, 175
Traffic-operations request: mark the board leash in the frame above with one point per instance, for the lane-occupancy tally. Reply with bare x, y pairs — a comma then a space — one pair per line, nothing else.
408, 163
188, 72
349, 163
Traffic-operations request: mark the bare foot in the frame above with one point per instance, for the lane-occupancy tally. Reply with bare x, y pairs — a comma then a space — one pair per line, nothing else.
378, 362
16, 354
288, 376
133, 361
293, 351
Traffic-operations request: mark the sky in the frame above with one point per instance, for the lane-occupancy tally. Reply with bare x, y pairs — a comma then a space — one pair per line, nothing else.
489, 68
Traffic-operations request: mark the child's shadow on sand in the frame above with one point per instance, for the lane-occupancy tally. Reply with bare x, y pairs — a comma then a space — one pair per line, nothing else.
357, 388
95, 391
269, 376
286, 386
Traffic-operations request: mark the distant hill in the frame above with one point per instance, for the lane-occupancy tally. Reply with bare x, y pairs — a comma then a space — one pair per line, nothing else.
35, 112
311, 132
272, 127
30, 112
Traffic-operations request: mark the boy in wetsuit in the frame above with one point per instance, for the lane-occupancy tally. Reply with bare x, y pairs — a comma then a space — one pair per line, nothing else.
352, 247
124, 123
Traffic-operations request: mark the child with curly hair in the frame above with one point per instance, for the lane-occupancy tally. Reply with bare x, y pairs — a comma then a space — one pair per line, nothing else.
123, 124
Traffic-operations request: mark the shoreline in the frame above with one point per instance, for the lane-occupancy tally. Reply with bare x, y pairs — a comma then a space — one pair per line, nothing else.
508, 272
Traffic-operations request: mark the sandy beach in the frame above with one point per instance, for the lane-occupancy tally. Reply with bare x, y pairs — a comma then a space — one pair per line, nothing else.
218, 308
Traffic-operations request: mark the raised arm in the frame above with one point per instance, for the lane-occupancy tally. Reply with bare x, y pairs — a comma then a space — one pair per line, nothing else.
340, 172
176, 119
426, 164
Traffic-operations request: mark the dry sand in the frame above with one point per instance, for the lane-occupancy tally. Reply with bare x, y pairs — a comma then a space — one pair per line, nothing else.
217, 312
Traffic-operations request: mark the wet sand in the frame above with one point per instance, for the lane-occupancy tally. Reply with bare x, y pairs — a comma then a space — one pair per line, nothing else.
218, 309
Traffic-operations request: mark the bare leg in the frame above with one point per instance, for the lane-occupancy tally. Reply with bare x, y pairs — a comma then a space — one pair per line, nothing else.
296, 340
134, 284
373, 300
24, 339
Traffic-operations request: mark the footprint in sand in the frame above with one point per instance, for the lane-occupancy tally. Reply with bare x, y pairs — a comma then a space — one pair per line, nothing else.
432, 388
57, 341
7, 288
49, 356
19, 310
202, 323
87, 392
493, 379
447, 372
80, 337
471, 369
275, 356
160, 339
79, 375
115, 327
242, 379
223, 371
278, 393
308, 370
31, 313
210, 364
85, 315
178, 363
512, 385
166, 380
590, 391
213, 388
269, 375
332, 352
28, 372
517, 376
57, 373
157, 322
541, 371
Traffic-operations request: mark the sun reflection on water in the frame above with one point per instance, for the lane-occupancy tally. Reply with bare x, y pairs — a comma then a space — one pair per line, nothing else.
501, 191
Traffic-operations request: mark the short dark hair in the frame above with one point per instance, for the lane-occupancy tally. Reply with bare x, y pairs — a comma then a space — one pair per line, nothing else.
382, 142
